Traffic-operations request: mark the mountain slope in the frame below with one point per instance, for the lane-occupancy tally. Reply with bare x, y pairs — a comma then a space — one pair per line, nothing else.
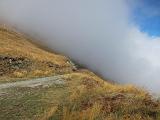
26, 91
20, 58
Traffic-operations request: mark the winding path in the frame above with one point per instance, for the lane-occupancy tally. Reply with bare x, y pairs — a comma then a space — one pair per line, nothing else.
46, 81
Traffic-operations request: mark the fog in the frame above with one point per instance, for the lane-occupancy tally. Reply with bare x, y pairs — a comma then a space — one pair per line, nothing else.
98, 34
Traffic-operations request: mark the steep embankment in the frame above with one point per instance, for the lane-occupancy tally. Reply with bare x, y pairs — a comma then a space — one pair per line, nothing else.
68, 94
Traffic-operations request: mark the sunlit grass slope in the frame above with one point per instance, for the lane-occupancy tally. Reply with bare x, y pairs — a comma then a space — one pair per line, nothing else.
82, 96
20, 58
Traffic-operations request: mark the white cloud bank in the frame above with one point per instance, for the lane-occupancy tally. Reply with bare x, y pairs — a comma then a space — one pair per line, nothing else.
96, 33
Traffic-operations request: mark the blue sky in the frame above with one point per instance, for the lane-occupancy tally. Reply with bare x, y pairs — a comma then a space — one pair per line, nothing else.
147, 16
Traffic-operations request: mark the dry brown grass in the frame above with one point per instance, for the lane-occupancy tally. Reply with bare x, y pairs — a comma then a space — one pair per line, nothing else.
89, 114
48, 113
42, 63
19, 74
106, 101
15, 44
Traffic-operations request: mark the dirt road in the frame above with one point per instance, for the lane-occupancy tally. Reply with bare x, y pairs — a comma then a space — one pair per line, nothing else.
34, 82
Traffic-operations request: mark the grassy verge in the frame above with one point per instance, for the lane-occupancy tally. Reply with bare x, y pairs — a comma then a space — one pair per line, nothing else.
29, 103
83, 97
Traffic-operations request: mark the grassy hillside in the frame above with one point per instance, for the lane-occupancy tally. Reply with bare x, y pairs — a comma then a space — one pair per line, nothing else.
73, 94
20, 58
